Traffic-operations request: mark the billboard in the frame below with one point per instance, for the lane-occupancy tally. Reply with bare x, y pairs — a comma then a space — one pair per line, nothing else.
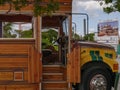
108, 28
108, 33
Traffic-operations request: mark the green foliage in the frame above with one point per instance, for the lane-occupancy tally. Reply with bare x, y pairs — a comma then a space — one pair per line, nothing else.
115, 6
48, 38
108, 1
77, 37
89, 37
7, 33
38, 6
108, 9
25, 33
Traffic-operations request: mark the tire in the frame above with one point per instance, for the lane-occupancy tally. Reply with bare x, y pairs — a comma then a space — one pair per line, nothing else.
95, 78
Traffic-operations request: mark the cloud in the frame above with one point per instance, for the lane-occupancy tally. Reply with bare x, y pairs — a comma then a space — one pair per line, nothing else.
89, 6
91, 30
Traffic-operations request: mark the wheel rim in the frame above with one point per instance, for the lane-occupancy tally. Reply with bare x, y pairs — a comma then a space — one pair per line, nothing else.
98, 82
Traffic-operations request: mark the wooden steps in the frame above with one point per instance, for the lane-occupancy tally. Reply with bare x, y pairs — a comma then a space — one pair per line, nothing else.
52, 68
53, 78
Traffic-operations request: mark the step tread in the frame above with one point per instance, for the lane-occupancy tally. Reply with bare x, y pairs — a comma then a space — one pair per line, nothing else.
56, 89
52, 65
53, 78
47, 73
55, 81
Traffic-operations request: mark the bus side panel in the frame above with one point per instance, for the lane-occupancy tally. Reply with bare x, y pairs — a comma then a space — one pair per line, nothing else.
20, 67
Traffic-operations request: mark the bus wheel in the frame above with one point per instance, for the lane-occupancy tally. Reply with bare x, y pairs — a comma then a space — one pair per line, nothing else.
95, 78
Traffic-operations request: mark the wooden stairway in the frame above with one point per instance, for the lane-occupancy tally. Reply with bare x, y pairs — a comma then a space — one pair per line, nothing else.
54, 77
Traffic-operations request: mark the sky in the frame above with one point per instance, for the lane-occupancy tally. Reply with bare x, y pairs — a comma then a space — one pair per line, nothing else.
95, 12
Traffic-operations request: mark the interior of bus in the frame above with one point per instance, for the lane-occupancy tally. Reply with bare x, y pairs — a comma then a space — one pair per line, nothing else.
54, 32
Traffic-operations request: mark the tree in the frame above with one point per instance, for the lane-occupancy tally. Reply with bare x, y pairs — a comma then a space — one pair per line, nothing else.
24, 33
39, 7
89, 37
76, 36
7, 33
114, 5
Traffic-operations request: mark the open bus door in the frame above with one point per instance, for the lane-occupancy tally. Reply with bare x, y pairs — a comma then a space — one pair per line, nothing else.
60, 26
74, 55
